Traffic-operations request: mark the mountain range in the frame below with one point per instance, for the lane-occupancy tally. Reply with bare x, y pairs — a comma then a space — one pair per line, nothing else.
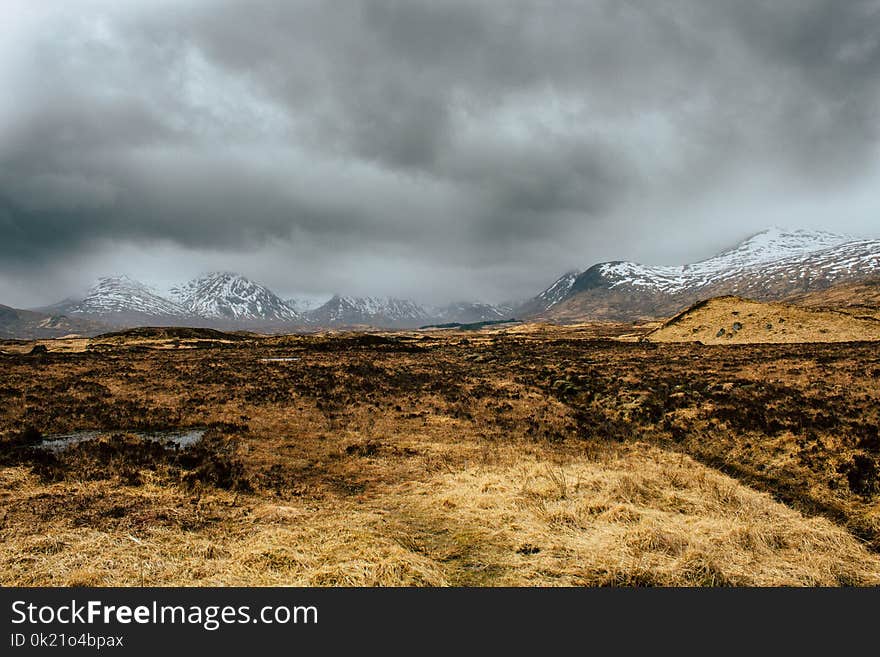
230, 300
772, 265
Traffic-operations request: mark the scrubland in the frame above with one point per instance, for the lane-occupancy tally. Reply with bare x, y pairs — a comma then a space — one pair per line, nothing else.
529, 456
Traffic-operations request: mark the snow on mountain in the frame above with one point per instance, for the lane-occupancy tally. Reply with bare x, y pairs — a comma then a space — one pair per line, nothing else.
771, 265
377, 311
845, 262
559, 290
778, 243
468, 312
124, 295
229, 297
549, 297
759, 251
225, 295
303, 305
232, 298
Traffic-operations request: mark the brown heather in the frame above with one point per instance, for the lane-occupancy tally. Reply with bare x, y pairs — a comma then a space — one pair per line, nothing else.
531, 456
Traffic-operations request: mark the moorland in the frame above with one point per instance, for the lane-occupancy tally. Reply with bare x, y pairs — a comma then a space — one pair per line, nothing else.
516, 455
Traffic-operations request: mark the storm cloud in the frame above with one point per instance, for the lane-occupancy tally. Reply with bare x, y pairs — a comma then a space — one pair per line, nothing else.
423, 148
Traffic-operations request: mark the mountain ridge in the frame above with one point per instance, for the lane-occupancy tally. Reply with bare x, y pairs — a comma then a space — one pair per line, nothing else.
122, 294
772, 264
227, 295
225, 298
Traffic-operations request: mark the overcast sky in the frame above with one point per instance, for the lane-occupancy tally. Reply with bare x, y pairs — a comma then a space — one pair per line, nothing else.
438, 150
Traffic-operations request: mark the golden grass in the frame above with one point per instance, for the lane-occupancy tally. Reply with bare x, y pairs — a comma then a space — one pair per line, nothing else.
636, 516
59, 345
460, 458
733, 320
633, 515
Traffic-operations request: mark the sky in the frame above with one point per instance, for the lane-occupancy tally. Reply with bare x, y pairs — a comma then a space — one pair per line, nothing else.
438, 150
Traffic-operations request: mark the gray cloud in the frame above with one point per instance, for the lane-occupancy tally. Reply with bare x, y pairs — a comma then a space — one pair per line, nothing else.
498, 143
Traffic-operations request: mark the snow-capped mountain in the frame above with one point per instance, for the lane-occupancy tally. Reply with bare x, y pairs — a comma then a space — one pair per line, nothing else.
549, 297
229, 296
303, 305
466, 312
400, 313
374, 311
770, 246
770, 265
226, 299
121, 295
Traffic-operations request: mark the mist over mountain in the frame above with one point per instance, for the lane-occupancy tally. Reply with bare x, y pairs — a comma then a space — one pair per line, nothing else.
231, 300
774, 264
436, 151
122, 295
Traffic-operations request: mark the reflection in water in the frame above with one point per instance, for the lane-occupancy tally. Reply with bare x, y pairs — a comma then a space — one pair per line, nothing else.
180, 438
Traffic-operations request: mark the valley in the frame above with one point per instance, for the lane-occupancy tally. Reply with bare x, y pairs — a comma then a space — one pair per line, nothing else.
623, 432
459, 294
517, 455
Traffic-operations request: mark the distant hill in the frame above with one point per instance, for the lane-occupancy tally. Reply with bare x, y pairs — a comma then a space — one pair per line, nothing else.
861, 298
121, 295
734, 320
29, 324
230, 301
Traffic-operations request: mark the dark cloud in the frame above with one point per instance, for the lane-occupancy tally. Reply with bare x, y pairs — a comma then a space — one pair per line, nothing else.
469, 138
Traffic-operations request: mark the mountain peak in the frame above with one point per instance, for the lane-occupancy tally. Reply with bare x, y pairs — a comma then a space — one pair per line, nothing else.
228, 295
769, 264
305, 304
120, 280
384, 311
121, 294
223, 274
775, 243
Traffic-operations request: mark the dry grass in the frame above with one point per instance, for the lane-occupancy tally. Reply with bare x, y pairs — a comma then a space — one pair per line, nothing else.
733, 320
527, 458
65, 345
634, 515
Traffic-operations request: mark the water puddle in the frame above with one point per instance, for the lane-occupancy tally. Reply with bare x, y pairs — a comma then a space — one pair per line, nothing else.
183, 438
278, 360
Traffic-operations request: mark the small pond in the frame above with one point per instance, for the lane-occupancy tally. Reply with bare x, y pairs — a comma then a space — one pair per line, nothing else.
177, 438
